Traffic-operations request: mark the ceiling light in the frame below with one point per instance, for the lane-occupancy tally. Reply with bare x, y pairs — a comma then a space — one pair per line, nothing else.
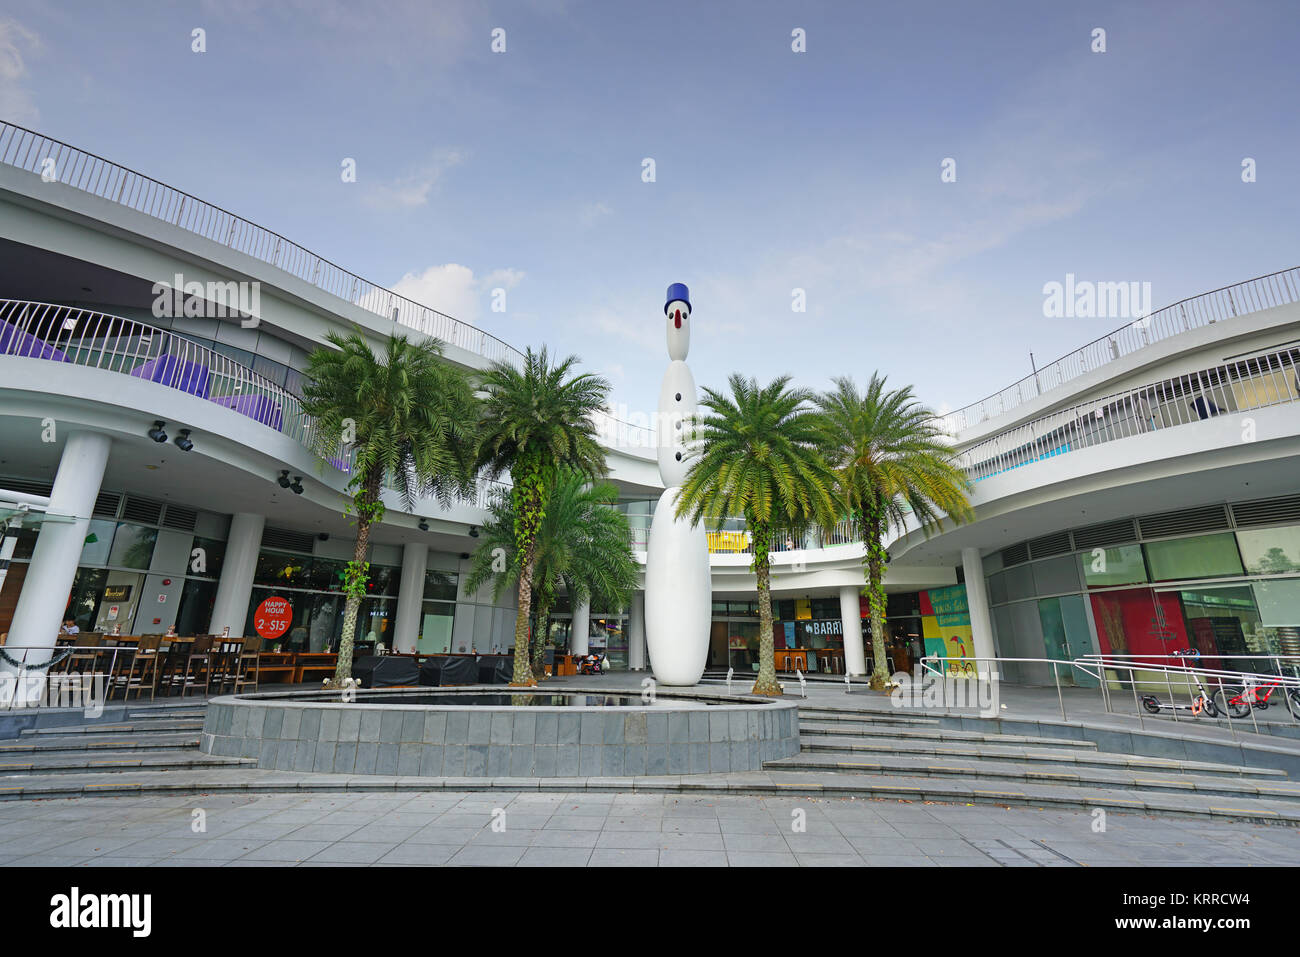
297, 485
424, 525
183, 441
283, 480
157, 433
473, 531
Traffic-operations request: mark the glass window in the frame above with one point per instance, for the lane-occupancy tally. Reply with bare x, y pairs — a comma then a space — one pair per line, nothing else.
99, 539
436, 621
1019, 582
282, 570
132, 546
439, 585
1056, 576
1113, 566
384, 579
194, 612
1201, 556
26, 543
209, 561
1270, 551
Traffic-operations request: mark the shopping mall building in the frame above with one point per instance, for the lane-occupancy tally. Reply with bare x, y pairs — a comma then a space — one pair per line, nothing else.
1141, 494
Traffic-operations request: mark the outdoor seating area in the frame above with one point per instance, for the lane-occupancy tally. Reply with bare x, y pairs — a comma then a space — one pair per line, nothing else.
176, 665
432, 670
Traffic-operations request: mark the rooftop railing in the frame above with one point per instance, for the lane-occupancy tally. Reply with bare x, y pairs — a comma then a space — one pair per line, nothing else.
1264, 292
84, 337
58, 162
1253, 382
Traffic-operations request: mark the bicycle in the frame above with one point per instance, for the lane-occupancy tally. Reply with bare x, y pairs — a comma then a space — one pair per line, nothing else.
1237, 701
1202, 703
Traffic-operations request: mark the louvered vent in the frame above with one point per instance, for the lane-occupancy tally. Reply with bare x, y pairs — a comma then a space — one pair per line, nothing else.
1015, 555
142, 510
106, 504
1105, 534
1271, 511
177, 516
27, 486
1187, 521
1049, 545
287, 540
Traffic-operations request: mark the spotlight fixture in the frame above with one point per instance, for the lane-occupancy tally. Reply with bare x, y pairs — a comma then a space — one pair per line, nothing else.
296, 487
157, 433
324, 536
473, 531
464, 555
283, 480
183, 441
424, 525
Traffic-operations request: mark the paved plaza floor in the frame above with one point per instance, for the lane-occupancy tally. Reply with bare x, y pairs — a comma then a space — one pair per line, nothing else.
602, 829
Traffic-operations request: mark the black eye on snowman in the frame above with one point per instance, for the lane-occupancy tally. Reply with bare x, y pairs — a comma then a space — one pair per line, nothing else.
679, 456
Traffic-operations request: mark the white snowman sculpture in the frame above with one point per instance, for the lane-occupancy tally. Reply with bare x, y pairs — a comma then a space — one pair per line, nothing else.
678, 590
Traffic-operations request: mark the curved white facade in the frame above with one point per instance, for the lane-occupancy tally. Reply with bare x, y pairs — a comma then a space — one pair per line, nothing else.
1118, 437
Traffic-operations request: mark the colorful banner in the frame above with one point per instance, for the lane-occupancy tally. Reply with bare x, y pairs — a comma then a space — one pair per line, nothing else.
945, 627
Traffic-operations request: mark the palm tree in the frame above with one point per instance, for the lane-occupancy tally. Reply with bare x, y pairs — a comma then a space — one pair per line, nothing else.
757, 454
411, 418
537, 418
582, 544
890, 457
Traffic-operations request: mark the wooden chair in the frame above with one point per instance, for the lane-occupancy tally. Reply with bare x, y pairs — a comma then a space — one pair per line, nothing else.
224, 663
171, 665
197, 663
144, 667
119, 650
86, 655
250, 664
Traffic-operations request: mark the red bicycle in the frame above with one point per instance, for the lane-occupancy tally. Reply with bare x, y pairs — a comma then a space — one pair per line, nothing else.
1236, 701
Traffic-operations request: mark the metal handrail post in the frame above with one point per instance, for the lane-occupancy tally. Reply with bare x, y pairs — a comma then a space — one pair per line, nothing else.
1060, 698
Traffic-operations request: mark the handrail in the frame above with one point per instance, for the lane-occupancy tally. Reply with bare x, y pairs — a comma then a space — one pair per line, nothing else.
1257, 381
1227, 302
28, 150
86, 337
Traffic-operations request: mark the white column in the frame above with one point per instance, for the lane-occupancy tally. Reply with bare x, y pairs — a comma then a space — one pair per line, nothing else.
230, 607
581, 628
977, 599
855, 662
410, 596
636, 633
58, 547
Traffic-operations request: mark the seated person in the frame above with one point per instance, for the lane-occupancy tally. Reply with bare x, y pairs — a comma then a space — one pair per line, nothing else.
69, 627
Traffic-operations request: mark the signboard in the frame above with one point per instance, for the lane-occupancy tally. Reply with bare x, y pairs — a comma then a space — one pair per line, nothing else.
273, 617
118, 593
945, 627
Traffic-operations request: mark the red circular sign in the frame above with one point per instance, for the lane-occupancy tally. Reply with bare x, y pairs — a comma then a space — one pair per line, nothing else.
273, 617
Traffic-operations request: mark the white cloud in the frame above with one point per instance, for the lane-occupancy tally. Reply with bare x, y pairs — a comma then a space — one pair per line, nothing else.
591, 212
454, 290
411, 191
16, 102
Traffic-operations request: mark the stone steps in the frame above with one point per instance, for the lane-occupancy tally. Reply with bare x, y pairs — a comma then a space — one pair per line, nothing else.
862, 728
91, 741
97, 762
134, 726
867, 747
758, 783
995, 774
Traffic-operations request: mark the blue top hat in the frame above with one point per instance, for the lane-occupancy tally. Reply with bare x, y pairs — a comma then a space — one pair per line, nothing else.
677, 291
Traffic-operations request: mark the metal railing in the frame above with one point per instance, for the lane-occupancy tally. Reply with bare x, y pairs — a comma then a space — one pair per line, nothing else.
1153, 674
1254, 382
59, 162
84, 337
1264, 292
732, 538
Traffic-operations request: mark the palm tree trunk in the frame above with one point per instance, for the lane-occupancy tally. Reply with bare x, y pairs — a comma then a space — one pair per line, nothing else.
368, 495
523, 675
876, 600
766, 683
539, 644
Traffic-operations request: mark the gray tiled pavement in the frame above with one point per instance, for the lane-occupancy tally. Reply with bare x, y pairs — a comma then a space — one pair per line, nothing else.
605, 829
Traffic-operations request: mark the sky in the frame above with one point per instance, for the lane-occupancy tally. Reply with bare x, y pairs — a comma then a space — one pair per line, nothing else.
775, 170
